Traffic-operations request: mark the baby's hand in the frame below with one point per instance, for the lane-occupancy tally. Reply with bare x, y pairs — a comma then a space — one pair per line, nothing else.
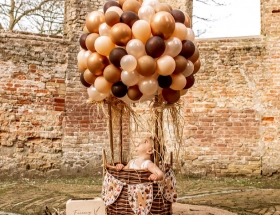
153, 177
119, 167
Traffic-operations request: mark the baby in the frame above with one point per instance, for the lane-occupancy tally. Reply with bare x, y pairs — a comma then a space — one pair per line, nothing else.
144, 150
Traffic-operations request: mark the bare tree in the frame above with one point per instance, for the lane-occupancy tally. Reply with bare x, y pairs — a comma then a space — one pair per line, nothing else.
38, 16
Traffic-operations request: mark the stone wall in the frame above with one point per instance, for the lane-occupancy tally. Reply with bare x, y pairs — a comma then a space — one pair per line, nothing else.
231, 114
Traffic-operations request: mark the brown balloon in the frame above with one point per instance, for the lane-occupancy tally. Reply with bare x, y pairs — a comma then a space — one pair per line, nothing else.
171, 96
178, 15
146, 65
188, 49
129, 18
94, 20
89, 77
190, 82
109, 4
187, 22
96, 63
83, 41
162, 7
120, 34
90, 41
162, 24
134, 93
116, 55
112, 74
112, 18
155, 46
131, 5
197, 65
195, 56
181, 64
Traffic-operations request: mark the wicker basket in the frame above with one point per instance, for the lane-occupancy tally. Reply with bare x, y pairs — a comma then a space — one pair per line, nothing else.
121, 206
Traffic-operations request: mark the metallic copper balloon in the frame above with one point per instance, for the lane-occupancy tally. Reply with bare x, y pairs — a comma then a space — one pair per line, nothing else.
83, 80
112, 18
120, 34
146, 65
89, 77
188, 49
197, 65
94, 20
96, 63
155, 46
181, 64
90, 41
83, 41
116, 55
112, 74
134, 93
163, 24
119, 89
190, 82
188, 22
195, 56
110, 4
129, 18
171, 96
178, 15
164, 81
131, 5
162, 7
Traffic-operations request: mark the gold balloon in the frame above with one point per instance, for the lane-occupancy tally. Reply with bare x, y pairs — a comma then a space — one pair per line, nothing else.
162, 7
81, 67
131, 5
187, 20
90, 41
89, 77
85, 30
197, 65
96, 63
163, 24
94, 20
181, 64
120, 34
112, 18
195, 55
112, 74
146, 65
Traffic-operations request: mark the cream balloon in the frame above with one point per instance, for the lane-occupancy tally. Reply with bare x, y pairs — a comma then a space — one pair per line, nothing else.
148, 85
135, 48
102, 85
145, 98
189, 69
104, 45
130, 78
85, 57
95, 95
146, 13
80, 58
165, 65
178, 81
104, 29
141, 30
128, 63
190, 35
116, 9
173, 46
151, 3
180, 31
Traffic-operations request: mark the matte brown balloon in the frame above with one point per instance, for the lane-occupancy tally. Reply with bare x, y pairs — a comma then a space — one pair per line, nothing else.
195, 56
146, 65
190, 82
162, 7
90, 41
120, 34
178, 15
116, 55
131, 5
163, 24
110, 4
83, 41
129, 18
181, 64
197, 65
94, 20
112, 18
89, 77
188, 49
96, 63
171, 96
155, 46
188, 22
134, 93
112, 74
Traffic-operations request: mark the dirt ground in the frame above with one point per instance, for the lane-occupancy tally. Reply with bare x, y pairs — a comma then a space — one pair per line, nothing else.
197, 196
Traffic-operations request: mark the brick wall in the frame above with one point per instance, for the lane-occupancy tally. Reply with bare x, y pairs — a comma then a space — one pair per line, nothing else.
231, 114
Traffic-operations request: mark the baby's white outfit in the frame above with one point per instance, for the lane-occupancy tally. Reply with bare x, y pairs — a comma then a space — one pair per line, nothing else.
144, 165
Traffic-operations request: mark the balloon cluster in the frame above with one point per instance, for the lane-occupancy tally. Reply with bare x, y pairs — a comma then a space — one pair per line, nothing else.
135, 50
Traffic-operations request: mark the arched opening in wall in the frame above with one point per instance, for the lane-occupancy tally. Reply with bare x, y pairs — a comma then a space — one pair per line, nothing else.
226, 18
36, 16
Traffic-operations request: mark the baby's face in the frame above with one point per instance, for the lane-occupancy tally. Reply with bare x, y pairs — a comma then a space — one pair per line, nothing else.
144, 146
